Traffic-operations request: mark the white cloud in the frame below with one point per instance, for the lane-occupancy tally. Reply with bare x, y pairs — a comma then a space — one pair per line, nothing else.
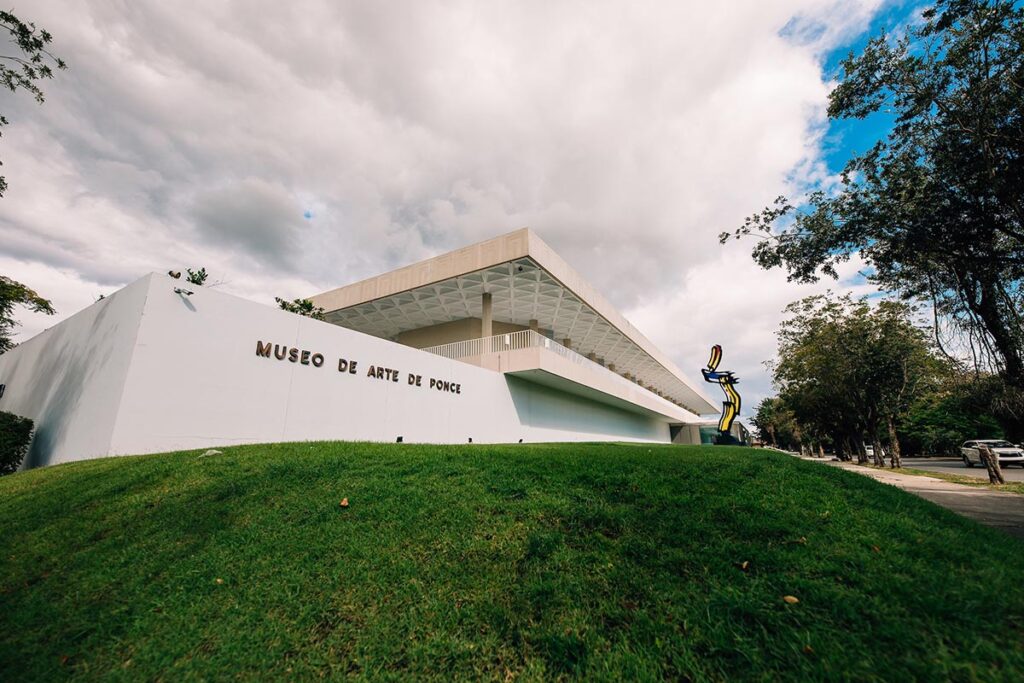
704, 311
627, 135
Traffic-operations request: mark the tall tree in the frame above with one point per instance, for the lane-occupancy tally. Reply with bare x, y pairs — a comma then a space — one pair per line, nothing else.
813, 371
955, 407
936, 208
900, 368
16, 294
847, 370
775, 423
28, 62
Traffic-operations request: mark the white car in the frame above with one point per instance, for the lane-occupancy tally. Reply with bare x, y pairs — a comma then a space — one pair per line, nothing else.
1008, 453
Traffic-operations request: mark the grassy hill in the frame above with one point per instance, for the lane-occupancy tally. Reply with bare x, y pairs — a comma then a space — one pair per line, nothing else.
532, 561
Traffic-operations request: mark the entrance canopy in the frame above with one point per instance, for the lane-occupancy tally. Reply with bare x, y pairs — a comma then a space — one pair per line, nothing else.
509, 283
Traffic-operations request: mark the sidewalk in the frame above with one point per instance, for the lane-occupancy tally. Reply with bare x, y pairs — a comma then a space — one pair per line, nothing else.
993, 508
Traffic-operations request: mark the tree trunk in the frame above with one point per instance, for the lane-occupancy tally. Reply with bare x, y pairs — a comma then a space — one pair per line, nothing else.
987, 308
798, 436
876, 445
895, 457
821, 450
991, 460
862, 453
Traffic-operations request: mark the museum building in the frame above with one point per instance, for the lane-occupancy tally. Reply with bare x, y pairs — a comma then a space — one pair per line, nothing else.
498, 342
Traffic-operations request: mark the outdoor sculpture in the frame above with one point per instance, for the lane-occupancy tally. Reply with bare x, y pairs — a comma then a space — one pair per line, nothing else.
725, 379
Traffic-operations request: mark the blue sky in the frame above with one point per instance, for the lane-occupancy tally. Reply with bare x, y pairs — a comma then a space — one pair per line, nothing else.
848, 137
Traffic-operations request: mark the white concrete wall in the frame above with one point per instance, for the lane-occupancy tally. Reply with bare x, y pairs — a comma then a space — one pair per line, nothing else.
197, 381
148, 370
69, 379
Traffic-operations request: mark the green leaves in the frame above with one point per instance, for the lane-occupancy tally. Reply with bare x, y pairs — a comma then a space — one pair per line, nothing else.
302, 307
196, 277
13, 294
845, 365
33, 64
937, 207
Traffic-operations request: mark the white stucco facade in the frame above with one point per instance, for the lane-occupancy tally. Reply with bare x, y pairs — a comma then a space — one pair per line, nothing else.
149, 370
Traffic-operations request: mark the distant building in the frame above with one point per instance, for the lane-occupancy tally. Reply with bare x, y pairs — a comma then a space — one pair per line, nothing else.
500, 341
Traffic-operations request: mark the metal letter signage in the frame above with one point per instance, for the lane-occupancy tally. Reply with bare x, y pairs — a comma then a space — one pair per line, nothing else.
348, 366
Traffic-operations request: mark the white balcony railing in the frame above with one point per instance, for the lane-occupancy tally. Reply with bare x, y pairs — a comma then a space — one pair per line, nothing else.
473, 350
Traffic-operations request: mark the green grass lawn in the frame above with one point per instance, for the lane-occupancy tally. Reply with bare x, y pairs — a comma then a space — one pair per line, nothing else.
601, 561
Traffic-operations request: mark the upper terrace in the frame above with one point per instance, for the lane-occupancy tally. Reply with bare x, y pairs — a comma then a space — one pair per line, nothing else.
510, 284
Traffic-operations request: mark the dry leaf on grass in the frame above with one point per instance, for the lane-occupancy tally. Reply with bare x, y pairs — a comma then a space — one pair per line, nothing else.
791, 599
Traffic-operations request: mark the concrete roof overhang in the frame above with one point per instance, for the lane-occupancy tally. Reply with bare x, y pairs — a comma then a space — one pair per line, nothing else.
527, 281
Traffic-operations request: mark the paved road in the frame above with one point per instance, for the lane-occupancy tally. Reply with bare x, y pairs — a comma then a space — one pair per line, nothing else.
954, 466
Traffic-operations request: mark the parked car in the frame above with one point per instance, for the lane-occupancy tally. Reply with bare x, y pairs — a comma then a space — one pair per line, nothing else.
870, 450
1008, 453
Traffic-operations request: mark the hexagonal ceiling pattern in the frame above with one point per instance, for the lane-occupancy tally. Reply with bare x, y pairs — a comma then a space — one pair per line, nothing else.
521, 291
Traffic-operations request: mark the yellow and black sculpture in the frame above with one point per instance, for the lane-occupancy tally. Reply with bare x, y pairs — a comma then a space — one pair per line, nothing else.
725, 379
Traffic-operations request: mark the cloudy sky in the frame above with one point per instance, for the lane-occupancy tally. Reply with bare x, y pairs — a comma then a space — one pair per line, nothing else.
291, 147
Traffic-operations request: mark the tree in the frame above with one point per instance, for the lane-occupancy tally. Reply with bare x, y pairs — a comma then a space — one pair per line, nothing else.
302, 307
901, 367
16, 294
15, 438
765, 420
33, 64
936, 208
815, 375
196, 277
776, 424
953, 409
847, 369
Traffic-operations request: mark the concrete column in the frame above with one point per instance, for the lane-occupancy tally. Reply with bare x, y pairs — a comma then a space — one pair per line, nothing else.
567, 343
486, 327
